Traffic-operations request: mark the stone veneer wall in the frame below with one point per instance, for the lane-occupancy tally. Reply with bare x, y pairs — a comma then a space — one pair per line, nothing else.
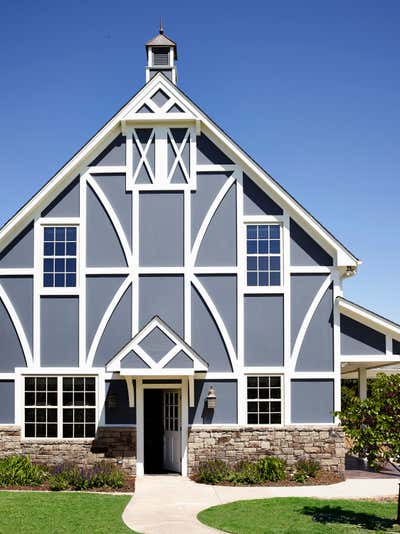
111, 444
232, 444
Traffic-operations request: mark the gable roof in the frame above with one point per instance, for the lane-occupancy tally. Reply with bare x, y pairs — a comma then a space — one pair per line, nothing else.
128, 113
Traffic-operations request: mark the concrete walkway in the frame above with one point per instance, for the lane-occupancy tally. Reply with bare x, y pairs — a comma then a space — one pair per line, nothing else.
169, 504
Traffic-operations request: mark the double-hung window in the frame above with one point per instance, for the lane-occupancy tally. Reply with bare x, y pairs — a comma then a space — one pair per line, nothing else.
60, 407
264, 400
60, 256
263, 248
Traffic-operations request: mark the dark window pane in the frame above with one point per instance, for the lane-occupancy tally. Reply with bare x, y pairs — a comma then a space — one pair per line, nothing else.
29, 383
252, 381
41, 384
274, 278
90, 431
263, 231
51, 415
252, 406
275, 393
67, 399
274, 246
263, 263
52, 384
262, 279
252, 418
251, 263
90, 399
60, 233
264, 419
251, 247
275, 381
48, 280
79, 431
275, 263
68, 415
276, 418
30, 431
79, 416
274, 231
60, 249
59, 265
90, 415
52, 431
67, 384
41, 431
252, 393
48, 249
252, 279
79, 399
264, 381
30, 415
275, 406
79, 384
41, 415
251, 231
41, 399
71, 234
70, 280
70, 265
29, 399
71, 249
59, 280
67, 431
48, 233
48, 265
264, 406
90, 384
264, 393
263, 247
52, 398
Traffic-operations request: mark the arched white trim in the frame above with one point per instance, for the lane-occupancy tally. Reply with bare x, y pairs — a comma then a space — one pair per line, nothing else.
226, 338
307, 319
113, 218
106, 317
18, 327
210, 214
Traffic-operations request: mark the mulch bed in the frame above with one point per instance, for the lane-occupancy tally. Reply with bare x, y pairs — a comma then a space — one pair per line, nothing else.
323, 478
128, 487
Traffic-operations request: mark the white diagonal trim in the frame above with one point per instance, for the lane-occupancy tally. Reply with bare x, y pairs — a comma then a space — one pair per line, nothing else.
18, 327
218, 319
106, 317
178, 154
169, 356
210, 214
307, 319
143, 354
143, 156
113, 218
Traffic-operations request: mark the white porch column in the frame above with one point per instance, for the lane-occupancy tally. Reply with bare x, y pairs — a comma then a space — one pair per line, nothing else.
362, 382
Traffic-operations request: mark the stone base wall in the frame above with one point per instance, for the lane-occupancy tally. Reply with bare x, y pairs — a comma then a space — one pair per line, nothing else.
232, 444
111, 444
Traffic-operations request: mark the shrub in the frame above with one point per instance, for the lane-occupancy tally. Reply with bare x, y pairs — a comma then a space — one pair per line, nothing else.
212, 472
246, 473
271, 468
309, 468
19, 471
300, 477
101, 475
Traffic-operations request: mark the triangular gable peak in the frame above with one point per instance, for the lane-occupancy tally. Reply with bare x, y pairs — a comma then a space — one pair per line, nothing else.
156, 350
157, 105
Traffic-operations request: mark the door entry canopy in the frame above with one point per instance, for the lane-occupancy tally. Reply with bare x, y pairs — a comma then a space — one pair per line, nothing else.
157, 350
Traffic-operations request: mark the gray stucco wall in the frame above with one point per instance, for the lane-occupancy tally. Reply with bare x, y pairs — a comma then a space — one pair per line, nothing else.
19, 253
209, 153
59, 331
121, 414
100, 230
7, 402
226, 404
263, 330
256, 202
19, 290
11, 353
100, 290
206, 338
117, 332
312, 401
114, 154
162, 296
316, 352
218, 246
66, 204
113, 186
304, 250
359, 339
161, 229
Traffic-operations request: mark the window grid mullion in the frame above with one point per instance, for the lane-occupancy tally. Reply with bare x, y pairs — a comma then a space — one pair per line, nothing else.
59, 407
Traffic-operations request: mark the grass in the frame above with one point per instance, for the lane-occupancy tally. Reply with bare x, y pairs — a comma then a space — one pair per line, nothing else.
302, 516
62, 513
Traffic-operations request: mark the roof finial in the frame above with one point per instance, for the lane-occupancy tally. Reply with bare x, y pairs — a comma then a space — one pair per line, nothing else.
161, 26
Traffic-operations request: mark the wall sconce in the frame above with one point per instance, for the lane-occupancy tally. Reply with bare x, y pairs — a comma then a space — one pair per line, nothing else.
112, 401
211, 398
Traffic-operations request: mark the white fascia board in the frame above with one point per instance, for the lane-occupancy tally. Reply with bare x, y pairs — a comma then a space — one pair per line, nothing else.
367, 317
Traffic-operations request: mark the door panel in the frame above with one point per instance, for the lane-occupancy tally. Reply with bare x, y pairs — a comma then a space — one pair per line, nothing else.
172, 430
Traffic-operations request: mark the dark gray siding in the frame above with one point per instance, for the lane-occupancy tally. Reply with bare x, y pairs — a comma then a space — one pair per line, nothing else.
206, 338
100, 290
11, 353
121, 414
7, 402
263, 330
316, 352
117, 332
161, 229
19, 253
66, 204
218, 246
103, 246
114, 154
162, 296
226, 404
113, 186
256, 202
156, 344
312, 401
208, 152
304, 250
19, 290
359, 339
59, 331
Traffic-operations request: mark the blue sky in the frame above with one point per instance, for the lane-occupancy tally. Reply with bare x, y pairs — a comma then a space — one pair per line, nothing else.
309, 88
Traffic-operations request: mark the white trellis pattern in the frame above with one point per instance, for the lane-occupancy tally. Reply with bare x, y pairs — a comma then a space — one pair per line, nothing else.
144, 151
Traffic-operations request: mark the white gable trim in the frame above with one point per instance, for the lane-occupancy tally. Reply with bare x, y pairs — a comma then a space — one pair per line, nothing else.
192, 113
156, 368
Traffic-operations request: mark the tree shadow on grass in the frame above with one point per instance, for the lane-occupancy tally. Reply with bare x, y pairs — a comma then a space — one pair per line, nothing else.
337, 514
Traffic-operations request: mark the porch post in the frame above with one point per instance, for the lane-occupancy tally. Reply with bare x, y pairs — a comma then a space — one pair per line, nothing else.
362, 382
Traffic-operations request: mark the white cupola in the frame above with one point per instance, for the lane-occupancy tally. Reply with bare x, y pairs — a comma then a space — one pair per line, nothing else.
161, 56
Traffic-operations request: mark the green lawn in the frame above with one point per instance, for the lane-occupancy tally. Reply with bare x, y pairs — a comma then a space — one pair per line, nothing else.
302, 516
72, 513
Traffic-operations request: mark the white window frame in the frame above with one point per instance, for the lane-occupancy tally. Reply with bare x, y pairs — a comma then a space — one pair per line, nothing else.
39, 245
281, 399
267, 220
60, 405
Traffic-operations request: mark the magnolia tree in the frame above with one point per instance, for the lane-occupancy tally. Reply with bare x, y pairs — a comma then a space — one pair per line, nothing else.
373, 424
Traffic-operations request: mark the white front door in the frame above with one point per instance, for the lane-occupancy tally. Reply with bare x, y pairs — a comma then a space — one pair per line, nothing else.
172, 430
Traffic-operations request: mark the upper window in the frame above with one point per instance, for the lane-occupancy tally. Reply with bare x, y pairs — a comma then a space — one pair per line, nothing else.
264, 400
59, 256
160, 56
263, 243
